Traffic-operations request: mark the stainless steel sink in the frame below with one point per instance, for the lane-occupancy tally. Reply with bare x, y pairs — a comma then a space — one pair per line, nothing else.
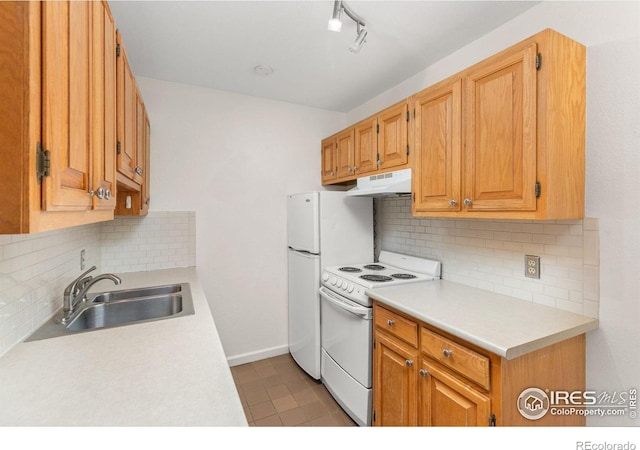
124, 307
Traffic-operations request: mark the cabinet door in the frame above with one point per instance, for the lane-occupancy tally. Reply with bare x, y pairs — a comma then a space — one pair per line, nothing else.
437, 165
126, 116
394, 382
146, 144
329, 165
366, 146
66, 104
447, 401
500, 154
104, 107
392, 136
344, 153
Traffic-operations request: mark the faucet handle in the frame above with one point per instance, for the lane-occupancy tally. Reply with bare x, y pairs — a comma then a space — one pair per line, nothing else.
73, 285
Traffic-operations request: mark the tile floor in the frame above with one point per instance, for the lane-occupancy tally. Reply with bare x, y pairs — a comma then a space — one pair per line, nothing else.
275, 392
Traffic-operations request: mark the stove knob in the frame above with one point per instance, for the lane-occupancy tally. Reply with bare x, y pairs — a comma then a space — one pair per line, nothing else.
344, 286
339, 283
350, 288
334, 280
325, 276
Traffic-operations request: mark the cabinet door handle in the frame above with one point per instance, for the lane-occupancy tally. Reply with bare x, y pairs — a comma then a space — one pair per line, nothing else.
391, 322
139, 170
107, 194
423, 373
467, 202
453, 202
409, 363
447, 353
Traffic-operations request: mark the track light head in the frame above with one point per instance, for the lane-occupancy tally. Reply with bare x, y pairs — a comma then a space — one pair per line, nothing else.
359, 42
335, 23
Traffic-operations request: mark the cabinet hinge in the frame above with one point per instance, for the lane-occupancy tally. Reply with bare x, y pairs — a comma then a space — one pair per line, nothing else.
414, 197
407, 149
117, 50
538, 189
43, 162
374, 416
118, 148
407, 116
538, 61
492, 420
377, 128
414, 113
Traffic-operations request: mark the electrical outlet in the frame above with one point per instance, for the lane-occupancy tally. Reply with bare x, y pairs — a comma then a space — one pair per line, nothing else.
83, 261
532, 266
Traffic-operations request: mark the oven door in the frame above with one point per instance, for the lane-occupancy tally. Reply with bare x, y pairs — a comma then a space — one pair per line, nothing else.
346, 329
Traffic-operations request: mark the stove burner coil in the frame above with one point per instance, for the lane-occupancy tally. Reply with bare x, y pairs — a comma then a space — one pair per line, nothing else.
403, 276
350, 269
374, 267
376, 278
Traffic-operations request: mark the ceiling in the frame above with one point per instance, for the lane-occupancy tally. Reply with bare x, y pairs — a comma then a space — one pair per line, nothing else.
217, 44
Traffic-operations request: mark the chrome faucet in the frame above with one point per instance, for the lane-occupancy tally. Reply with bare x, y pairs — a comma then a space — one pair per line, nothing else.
77, 290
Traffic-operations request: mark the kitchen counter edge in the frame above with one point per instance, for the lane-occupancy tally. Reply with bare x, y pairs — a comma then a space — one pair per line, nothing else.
504, 325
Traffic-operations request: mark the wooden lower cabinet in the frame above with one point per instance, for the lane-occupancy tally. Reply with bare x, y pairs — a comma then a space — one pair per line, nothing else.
396, 364
426, 377
446, 400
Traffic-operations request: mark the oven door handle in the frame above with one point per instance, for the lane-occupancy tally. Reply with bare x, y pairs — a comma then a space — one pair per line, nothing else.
362, 311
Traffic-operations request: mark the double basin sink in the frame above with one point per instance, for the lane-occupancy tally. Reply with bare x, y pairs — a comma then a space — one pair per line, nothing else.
124, 307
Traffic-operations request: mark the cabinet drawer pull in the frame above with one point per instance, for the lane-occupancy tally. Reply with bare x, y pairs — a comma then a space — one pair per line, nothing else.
390, 322
423, 373
409, 363
447, 353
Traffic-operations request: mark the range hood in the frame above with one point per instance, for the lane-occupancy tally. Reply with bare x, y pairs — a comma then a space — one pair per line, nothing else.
383, 184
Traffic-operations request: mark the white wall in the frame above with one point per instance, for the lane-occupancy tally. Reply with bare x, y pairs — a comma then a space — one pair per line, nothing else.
611, 31
233, 159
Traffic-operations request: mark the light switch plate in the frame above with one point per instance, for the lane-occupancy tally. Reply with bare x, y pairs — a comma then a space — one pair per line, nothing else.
532, 266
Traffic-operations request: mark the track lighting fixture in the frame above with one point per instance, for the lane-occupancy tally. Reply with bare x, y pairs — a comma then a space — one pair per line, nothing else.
335, 24
360, 40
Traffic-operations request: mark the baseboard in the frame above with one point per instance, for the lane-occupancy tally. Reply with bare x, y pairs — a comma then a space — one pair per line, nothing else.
245, 358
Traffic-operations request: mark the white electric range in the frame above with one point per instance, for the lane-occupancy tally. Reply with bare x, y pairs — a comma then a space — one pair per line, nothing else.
346, 325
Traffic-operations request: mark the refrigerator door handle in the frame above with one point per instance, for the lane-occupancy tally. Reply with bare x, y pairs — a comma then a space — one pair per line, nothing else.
360, 311
304, 252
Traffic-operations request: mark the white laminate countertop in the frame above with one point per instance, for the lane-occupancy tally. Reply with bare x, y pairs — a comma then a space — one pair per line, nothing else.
170, 372
506, 326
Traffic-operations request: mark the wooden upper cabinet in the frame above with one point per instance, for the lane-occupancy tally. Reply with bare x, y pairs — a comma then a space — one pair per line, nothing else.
67, 101
366, 146
438, 147
522, 143
129, 174
104, 109
393, 150
345, 153
329, 164
374, 145
500, 162
56, 102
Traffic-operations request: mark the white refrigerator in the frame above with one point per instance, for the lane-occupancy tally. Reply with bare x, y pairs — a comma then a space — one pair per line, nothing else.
325, 228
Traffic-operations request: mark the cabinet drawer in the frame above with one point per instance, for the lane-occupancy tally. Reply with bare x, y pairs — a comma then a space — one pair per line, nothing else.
396, 325
466, 362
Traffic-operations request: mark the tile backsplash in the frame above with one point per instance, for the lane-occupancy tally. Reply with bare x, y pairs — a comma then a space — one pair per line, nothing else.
489, 254
161, 240
34, 269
